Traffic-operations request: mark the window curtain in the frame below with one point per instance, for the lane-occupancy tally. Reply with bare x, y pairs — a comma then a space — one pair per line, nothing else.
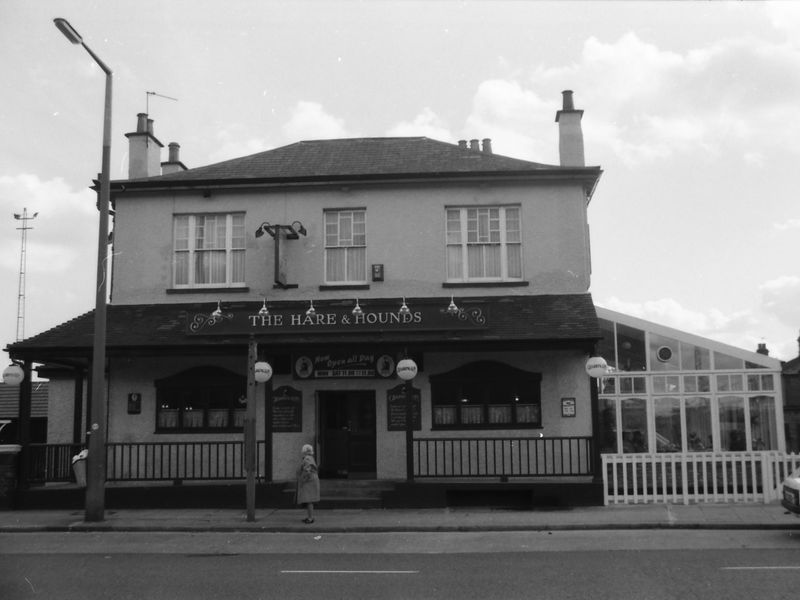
763, 426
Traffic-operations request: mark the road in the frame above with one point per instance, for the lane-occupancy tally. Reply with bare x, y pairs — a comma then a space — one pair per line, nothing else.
618, 565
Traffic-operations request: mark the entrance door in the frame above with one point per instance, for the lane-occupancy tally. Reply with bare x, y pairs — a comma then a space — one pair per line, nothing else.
347, 432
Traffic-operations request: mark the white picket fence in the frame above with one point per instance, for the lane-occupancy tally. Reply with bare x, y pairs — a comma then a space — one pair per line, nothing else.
695, 477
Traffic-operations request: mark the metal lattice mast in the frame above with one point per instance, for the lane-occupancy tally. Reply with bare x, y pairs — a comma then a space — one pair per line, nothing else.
23, 262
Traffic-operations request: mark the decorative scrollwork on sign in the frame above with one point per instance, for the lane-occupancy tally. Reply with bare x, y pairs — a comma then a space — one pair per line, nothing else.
473, 315
201, 321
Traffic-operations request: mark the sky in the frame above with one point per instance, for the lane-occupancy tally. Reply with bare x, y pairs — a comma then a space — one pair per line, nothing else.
690, 108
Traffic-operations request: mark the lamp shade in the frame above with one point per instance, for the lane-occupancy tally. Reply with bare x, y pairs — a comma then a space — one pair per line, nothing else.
406, 369
596, 366
262, 371
13, 375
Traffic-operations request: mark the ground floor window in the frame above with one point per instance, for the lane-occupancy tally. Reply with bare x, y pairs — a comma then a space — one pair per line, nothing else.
201, 399
486, 395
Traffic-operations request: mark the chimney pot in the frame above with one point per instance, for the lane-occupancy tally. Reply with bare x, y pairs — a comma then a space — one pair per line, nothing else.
174, 152
144, 150
568, 103
462, 144
570, 134
762, 349
487, 145
474, 145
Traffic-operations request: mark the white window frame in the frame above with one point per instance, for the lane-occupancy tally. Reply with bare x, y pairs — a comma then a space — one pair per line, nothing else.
351, 244
460, 239
194, 252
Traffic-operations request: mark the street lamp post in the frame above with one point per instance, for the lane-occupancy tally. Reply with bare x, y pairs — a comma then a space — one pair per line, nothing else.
406, 370
257, 372
96, 472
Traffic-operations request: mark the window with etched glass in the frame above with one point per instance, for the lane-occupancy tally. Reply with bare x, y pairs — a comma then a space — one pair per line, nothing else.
486, 395
208, 250
201, 399
484, 244
346, 246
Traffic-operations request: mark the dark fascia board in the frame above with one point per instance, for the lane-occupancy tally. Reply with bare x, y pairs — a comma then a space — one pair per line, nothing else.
587, 175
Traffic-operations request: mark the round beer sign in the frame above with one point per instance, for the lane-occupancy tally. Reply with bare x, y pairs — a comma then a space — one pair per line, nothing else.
13, 375
406, 369
596, 366
263, 371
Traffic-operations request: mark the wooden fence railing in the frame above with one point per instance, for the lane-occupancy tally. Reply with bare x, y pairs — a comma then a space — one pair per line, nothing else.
695, 477
503, 457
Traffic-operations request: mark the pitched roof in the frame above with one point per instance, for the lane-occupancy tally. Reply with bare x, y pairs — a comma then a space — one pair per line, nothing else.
156, 327
358, 158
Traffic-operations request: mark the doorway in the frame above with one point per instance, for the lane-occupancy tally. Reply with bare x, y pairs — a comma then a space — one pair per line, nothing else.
347, 434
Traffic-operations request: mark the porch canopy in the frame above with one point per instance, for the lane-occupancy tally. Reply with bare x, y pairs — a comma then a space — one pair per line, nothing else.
489, 323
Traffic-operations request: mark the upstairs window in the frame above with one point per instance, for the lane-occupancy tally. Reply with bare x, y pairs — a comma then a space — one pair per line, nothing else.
345, 246
484, 244
209, 250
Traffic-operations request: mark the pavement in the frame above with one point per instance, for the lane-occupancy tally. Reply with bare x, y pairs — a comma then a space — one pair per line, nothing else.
632, 516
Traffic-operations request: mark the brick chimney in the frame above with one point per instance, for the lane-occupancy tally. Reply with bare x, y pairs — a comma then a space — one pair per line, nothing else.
144, 150
570, 134
174, 164
762, 349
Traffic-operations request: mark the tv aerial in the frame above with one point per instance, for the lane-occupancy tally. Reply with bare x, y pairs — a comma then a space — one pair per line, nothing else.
147, 100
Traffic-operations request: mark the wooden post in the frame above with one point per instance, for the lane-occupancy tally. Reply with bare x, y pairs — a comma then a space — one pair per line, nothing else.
409, 394
250, 431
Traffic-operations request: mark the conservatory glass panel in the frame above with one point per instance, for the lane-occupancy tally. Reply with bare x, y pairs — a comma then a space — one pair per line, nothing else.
668, 424
731, 424
763, 427
698, 424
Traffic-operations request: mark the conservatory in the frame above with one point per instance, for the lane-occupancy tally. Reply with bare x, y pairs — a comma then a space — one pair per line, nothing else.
670, 391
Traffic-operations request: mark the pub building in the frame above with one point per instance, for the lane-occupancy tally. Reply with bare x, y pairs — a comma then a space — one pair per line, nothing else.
335, 260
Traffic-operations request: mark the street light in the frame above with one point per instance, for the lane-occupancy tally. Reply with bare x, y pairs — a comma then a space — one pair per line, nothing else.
96, 472
258, 371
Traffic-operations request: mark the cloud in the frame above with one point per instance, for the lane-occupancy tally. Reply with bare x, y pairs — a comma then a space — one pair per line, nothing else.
789, 225
744, 329
512, 115
235, 141
781, 298
427, 123
649, 104
61, 251
310, 121
669, 312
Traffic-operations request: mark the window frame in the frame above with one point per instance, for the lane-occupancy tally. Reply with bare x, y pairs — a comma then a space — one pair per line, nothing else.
233, 221
349, 249
460, 238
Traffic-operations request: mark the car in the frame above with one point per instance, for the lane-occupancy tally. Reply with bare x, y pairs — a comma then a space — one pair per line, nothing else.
791, 492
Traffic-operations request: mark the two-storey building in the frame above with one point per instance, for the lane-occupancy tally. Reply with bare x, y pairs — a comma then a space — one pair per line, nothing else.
339, 258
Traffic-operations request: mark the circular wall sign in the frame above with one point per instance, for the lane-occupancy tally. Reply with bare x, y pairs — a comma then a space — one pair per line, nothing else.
262, 371
406, 369
13, 375
596, 366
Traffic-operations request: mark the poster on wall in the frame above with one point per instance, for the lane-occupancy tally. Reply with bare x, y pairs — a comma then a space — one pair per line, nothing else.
327, 365
287, 409
396, 408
